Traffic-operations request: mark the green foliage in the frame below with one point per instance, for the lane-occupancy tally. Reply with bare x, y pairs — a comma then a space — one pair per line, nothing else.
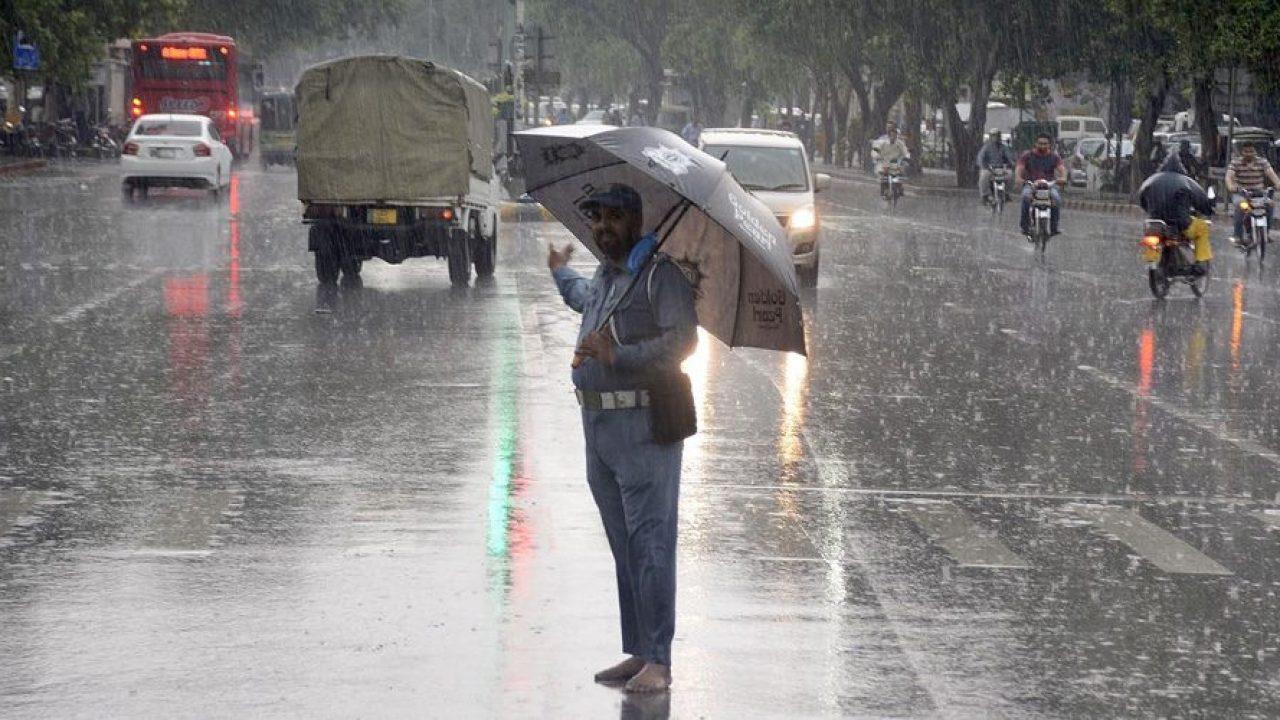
71, 33
263, 26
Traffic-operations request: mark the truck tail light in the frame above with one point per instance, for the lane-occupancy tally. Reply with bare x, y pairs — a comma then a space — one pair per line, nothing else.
202, 150
446, 214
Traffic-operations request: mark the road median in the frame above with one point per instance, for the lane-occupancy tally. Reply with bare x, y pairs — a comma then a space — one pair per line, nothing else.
18, 167
1118, 205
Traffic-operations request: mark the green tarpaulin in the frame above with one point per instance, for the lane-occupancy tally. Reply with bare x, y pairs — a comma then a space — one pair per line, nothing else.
390, 129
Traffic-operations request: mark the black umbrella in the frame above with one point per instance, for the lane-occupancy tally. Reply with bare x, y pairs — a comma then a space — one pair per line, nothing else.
725, 238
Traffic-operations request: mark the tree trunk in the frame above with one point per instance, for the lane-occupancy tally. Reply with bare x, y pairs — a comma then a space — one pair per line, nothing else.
840, 111
1121, 105
1153, 104
913, 112
1206, 118
829, 124
748, 104
653, 88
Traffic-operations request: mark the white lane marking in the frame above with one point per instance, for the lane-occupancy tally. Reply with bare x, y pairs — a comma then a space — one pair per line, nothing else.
1150, 541
79, 311
970, 545
1193, 418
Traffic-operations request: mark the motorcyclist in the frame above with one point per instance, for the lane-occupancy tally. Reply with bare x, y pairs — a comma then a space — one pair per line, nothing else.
1173, 196
1041, 163
994, 153
1189, 161
886, 149
1248, 172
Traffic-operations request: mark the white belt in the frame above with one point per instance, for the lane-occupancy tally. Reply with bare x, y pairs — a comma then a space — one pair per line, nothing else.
612, 400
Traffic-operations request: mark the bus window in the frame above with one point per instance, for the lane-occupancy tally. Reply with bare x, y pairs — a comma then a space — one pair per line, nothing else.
277, 113
202, 66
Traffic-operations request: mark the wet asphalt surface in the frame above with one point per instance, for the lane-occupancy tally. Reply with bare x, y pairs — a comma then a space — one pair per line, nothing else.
1000, 486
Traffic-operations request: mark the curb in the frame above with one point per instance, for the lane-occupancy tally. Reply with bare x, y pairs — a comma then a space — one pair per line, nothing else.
22, 167
1069, 203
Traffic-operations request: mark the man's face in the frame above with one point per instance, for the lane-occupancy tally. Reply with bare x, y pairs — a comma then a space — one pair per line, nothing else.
1248, 153
615, 230
1042, 146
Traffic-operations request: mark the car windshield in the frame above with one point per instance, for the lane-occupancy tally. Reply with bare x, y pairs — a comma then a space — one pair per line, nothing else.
169, 128
764, 168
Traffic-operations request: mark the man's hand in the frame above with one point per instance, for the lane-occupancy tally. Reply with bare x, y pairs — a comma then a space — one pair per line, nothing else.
598, 345
558, 258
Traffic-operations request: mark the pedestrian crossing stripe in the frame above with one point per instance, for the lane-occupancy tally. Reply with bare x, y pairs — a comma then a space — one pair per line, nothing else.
1149, 541
970, 545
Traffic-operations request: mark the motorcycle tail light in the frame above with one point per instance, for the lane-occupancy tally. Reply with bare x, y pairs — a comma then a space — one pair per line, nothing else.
130, 148
1151, 241
202, 150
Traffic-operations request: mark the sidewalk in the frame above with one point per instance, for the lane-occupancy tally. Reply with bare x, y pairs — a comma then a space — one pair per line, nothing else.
935, 181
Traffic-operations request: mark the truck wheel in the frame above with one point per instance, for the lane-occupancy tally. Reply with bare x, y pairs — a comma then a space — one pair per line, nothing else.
483, 250
459, 258
326, 254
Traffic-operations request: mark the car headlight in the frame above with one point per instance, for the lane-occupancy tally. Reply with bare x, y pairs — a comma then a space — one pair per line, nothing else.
803, 219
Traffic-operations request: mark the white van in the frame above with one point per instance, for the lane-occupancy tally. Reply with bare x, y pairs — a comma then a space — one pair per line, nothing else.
773, 166
1072, 128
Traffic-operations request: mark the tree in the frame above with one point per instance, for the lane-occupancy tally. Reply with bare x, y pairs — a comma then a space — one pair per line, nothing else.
71, 33
641, 24
266, 27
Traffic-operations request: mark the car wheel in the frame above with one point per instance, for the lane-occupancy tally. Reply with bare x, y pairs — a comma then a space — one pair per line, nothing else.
483, 250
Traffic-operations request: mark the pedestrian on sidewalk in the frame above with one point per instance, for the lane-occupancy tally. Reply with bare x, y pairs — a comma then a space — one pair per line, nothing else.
634, 479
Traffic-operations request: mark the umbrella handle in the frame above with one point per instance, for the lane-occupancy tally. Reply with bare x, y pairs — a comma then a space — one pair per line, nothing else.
683, 207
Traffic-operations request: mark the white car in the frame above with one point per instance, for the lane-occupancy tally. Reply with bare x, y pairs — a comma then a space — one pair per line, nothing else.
773, 166
174, 151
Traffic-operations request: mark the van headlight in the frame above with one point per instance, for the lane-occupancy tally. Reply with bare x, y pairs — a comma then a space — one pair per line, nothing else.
803, 219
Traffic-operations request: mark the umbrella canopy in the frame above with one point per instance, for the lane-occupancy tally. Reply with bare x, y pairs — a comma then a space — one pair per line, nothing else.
726, 239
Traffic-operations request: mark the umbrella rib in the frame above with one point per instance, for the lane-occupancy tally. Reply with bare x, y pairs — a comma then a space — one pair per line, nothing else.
561, 179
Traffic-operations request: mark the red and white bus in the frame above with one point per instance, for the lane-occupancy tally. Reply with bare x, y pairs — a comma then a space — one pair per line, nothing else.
196, 73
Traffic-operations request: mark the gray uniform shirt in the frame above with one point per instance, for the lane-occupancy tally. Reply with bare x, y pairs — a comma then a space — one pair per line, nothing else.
656, 337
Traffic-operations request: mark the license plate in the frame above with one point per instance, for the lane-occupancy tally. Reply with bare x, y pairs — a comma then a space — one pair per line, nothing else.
382, 216
164, 153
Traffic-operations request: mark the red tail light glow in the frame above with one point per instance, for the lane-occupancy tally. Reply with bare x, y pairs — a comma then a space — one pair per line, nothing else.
202, 150
1151, 241
446, 214
231, 113
130, 148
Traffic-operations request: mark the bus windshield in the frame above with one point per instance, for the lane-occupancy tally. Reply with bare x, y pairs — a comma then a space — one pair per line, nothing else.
277, 112
194, 64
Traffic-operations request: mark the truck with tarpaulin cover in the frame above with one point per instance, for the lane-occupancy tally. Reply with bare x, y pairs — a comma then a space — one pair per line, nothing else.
395, 161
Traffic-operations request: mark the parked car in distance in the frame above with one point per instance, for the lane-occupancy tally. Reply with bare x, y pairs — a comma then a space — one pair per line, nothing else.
593, 117
174, 151
773, 166
1072, 128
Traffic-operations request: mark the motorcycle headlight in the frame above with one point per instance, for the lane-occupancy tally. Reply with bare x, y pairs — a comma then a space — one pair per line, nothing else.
803, 219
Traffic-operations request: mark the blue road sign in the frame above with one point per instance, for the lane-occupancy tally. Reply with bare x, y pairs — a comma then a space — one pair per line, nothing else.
26, 56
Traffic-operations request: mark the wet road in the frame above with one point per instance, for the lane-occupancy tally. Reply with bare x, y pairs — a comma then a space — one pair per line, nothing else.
999, 486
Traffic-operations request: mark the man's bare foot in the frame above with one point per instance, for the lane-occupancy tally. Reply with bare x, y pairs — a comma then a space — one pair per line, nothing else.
653, 678
621, 672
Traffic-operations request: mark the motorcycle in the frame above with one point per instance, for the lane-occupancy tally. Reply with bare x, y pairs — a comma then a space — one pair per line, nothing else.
102, 145
1257, 204
1041, 213
1170, 257
65, 141
891, 182
999, 188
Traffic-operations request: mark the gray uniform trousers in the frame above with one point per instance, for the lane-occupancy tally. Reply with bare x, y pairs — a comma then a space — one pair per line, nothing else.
636, 486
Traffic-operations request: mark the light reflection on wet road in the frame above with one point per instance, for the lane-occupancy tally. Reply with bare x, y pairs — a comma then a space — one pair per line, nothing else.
216, 499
